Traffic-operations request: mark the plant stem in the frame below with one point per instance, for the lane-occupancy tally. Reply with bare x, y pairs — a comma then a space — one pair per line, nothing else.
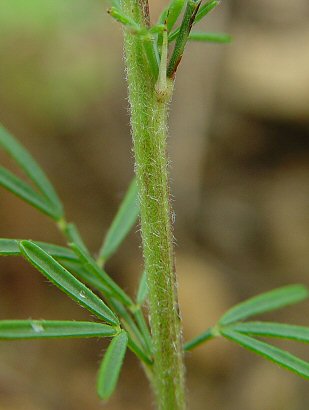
149, 128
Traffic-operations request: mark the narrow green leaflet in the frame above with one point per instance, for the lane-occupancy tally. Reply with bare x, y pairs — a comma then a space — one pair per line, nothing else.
202, 12
151, 51
162, 16
30, 167
205, 9
157, 29
111, 365
134, 27
265, 302
91, 266
117, 306
147, 339
210, 37
44, 329
122, 18
56, 251
182, 36
10, 247
65, 281
269, 352
174, 11
24, 191
269, 329
80, 272
171, 13
130, 324
138, 352
122, 224
142, 289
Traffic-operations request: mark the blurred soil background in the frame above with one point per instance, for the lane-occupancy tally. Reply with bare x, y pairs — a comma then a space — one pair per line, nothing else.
239, 147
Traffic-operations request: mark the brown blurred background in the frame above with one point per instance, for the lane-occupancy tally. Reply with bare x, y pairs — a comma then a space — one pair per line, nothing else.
239, 147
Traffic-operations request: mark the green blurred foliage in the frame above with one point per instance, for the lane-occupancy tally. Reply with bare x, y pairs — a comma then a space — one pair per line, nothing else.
53, 64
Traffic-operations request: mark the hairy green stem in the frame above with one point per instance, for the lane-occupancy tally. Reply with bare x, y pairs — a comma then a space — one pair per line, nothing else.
149, 113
